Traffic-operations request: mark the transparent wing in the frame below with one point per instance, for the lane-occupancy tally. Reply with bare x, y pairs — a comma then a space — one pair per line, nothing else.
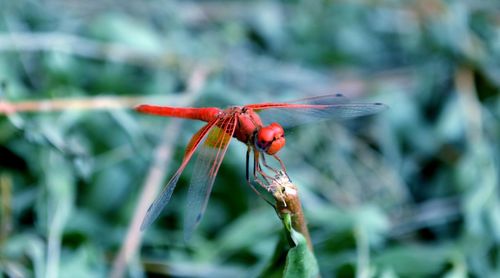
207, 165
322, 100
161, 201
314, 109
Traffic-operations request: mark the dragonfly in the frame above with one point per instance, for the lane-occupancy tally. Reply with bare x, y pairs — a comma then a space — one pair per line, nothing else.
260, 126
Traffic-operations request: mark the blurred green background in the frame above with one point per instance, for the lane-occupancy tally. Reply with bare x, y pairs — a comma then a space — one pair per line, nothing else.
411, 192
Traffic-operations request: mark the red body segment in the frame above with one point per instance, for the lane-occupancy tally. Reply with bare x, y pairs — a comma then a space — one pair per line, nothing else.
205, 114
247, 125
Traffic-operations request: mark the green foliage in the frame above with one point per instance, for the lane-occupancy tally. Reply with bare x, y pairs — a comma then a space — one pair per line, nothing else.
292, 257
300, 261
412, 192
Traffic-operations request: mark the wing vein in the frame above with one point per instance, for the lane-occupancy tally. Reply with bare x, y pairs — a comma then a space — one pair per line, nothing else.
162, 200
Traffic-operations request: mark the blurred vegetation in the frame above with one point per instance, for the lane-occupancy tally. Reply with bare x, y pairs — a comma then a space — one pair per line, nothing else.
412, 192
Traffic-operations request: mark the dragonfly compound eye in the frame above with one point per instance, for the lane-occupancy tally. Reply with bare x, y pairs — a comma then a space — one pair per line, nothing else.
270, 138
265, 135
277, 129
276, 145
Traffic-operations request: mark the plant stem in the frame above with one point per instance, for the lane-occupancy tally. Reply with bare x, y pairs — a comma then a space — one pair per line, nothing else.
64, 104
287, 199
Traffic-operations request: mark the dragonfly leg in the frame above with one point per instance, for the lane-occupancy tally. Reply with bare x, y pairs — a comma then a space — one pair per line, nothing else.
258, 170
248, 164
283, 168
281, 162
267, 166
257, 191
256, 179
254, 173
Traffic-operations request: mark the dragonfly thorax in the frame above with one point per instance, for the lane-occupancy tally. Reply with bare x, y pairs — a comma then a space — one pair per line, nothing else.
270, 139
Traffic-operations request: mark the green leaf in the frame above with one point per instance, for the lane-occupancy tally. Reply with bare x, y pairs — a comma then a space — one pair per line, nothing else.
292, 257
300, 261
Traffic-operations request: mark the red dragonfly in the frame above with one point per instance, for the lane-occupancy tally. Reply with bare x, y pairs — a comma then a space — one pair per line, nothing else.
260, 126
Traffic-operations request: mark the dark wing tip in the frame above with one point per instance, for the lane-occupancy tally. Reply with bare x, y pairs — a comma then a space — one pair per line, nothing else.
339, 95
148, 219
198, 218
382, 106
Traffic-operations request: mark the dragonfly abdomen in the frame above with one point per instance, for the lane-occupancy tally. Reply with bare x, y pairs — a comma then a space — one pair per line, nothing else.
205, 114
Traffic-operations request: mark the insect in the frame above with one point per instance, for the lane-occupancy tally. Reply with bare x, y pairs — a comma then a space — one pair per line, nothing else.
260, 126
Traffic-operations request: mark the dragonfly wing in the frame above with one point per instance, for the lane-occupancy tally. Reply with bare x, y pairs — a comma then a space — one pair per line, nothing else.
206, 167
323, 100
298, 112
330, 99
161, 201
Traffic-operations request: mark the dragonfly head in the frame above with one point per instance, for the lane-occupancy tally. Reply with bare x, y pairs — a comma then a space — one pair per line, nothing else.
270, 139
